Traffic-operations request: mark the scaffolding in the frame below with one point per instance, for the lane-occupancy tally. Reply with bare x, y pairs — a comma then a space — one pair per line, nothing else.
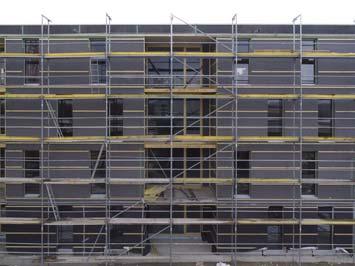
181, 181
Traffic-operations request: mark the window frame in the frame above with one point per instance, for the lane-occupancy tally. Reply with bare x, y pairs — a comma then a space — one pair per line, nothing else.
329, 121
181, 114
115, 116
313, 170
33, 159
65, 117
307, 79
183, 79
277, 130
100, 76
242, 172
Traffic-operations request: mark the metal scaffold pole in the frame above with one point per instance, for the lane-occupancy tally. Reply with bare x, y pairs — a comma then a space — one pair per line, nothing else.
43, 19
107, 141
299, 17
171, 160
235, 129
295, 134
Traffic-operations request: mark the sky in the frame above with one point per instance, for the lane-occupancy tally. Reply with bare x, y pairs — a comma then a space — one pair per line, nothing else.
193, 11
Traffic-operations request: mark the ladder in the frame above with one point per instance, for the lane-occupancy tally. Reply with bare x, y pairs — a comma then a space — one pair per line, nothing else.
52, 202
54, 118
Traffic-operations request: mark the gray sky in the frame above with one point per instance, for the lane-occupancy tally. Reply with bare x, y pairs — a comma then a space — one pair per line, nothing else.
193, 11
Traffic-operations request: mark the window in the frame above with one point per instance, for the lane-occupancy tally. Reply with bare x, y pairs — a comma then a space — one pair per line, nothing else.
2, 62
2, 45
158, 71
116, 121
32, 71
158, 117
32, 64
2, 72
193, 167
65, 117
309, 171
187, 116
274, 232
98, 71
98, 170
97, 45
325, 231
192, 116
32, 170
65, 236
325, 118
31, 46
2, 162
275, 111
2, 116
243, 169
187, 72
158, 164
243, 71
308, 71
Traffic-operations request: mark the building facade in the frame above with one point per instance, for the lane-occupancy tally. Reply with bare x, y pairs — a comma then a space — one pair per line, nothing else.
170, 143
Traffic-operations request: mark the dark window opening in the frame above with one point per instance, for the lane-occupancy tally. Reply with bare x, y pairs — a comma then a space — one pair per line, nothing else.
325, 118
98, 170
2, 71
116, 121
325, 231
309, 171
158, 117
2, 116
193, 167
65, 117
2, 162
193, 116
2, 45
187, 72
209, 67
97, 45
98, 71
243, 71
275, 113
243, 171
31, 46
2, 62
32, 170
32, 71
308, 71
158, 163
65, 236
32, 65
274, 232
187, 116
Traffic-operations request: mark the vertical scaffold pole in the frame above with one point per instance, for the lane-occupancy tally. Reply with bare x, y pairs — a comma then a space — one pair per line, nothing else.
299, 17
43, 19
235, 129
294, 133
301, 140
107, 139
171, 140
